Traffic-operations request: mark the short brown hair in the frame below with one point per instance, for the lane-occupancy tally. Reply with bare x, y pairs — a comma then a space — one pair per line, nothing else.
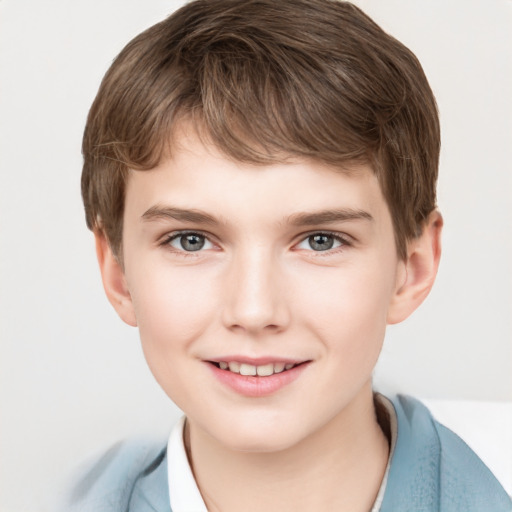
264, 78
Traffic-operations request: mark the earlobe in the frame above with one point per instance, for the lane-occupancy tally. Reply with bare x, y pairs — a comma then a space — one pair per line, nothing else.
114, 281
418, 271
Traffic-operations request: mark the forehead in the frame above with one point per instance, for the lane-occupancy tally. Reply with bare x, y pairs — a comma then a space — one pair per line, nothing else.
198, 176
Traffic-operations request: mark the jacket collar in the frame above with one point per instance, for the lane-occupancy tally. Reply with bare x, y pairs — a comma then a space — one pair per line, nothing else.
413, 482
151, 491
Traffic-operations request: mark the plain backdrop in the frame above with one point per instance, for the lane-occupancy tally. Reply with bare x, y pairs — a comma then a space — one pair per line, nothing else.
73, 378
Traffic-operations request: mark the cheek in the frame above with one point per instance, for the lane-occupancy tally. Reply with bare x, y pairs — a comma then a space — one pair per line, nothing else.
173, 307
347, 306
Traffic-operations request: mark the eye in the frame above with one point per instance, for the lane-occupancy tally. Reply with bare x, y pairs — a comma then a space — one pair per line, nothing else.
189, 242
322, 242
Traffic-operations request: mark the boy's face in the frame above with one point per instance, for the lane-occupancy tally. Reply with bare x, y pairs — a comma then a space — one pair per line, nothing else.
232, 263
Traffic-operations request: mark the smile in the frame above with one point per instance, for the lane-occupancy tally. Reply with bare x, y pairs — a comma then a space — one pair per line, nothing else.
264, 378
265, 370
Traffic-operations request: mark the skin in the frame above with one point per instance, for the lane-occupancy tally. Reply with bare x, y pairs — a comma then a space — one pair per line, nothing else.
260, 287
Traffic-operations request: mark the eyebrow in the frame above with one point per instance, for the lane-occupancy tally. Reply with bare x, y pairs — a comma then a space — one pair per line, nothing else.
296, 219
328, 216
167, 212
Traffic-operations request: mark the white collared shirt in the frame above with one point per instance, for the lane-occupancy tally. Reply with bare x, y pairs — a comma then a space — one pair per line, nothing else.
184, 494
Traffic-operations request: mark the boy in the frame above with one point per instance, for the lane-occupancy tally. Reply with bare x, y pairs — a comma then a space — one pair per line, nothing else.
260, 179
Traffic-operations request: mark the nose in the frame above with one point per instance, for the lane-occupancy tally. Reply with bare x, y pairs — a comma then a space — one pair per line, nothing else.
255, 300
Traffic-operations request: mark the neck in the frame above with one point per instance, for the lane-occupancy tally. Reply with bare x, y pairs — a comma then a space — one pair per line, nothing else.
340, 467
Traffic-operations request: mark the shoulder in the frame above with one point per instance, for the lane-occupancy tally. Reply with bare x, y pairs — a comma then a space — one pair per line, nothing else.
434, 469
124, 473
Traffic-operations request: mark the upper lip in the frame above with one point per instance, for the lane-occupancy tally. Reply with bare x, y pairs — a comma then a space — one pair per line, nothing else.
257, 361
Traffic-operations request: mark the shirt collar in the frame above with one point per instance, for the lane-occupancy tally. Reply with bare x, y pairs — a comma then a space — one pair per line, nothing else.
184, 494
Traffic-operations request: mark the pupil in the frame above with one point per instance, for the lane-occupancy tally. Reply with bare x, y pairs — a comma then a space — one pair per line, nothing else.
192, 242
321, 242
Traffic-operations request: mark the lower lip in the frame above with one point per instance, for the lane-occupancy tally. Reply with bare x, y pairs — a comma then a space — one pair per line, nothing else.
255, 386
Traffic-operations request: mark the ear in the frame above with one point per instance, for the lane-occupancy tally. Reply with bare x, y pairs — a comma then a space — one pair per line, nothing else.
114, 281
418, 272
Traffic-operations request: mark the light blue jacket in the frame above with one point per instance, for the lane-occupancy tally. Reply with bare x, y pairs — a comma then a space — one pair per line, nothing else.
432, 470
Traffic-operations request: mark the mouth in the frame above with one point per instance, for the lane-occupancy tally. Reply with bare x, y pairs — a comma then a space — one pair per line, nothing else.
256, 377
263, 370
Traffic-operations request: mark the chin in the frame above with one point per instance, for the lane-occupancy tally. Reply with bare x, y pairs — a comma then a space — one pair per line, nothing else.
258, 437
258, 443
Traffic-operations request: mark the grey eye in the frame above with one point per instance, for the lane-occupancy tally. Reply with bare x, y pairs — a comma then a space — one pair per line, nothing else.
189, 242
321, 242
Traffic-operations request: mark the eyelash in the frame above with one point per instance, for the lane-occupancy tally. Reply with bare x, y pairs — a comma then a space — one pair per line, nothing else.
344, 241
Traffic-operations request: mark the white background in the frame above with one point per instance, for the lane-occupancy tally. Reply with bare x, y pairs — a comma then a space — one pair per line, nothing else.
73, 378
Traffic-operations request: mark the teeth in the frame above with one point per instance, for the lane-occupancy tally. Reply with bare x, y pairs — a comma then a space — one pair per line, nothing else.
247, 369
264, 370
278, 367
234, 367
